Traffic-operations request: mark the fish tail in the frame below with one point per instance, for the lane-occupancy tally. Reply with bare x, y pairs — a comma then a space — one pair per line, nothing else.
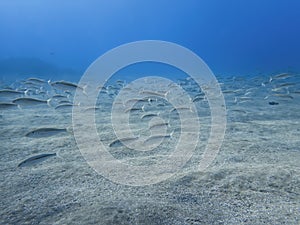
84, 90
59, 156
49, 102
69, 129
26, 93
270, 80
171, 134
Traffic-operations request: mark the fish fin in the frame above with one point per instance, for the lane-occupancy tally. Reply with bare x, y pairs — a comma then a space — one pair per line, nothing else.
84, 88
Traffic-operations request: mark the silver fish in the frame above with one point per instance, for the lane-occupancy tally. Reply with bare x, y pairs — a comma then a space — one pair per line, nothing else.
238, 110
10, 93
36, 80
58, 96
283, 96
159, 125
7, 105
286, 84
181, 108
149, 115
280, 76
64, 85
154, 137
45, 132
30, 101
119, 142
64, 102
36, 159
229, 91
65, 106
198, 98
135, 109
92, 108
133, 101
153, 93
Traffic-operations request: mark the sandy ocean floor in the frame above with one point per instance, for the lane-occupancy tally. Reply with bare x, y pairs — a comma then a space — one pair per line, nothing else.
255, 178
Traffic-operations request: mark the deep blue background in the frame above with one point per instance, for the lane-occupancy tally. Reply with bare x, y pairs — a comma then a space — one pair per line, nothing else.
232, 36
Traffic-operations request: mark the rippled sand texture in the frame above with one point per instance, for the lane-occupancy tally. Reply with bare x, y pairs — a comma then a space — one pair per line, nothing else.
255, 178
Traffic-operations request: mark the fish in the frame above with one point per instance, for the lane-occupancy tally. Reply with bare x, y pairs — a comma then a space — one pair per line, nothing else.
159, 94
158, 137
119, 142
133, 101
287, 84
282, 86
278, 89
238, 110
149, 115
135, 109
36, 80
92, 108
36, 159
66, 86
45, 132
280, 76
10, 93
251, 89
198, 98
120, 82
58, 96
64, 102
229, 91
65, 106
283, 96
159, 125
245, 98
7, 105
181, 108
30, 101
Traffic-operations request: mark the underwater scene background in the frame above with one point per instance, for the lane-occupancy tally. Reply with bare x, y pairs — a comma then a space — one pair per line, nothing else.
243, 103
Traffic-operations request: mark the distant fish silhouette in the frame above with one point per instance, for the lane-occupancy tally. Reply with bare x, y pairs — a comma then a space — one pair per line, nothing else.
45, 132
36, 159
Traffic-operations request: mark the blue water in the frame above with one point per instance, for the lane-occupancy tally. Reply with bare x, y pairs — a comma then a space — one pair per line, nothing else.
241, 168
60, 39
